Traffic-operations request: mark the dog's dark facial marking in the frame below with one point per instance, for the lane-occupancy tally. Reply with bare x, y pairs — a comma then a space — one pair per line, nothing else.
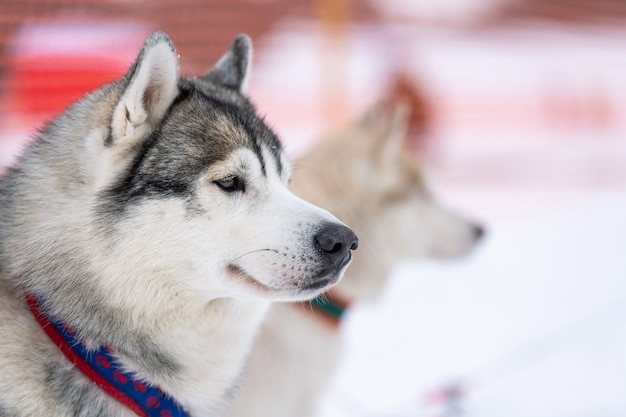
243, 117
193, 208
245, 120
204, 126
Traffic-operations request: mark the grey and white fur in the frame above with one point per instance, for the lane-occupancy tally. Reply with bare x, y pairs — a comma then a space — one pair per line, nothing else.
153, 217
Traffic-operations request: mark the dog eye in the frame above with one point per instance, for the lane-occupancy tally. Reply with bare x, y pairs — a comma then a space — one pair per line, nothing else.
230, 184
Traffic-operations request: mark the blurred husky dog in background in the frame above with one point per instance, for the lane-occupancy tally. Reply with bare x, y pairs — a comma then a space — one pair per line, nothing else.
152, 219
368, 178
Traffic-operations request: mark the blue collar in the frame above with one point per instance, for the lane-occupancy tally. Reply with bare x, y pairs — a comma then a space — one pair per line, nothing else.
100, 365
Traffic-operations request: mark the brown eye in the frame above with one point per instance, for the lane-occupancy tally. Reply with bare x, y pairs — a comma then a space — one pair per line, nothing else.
230, 184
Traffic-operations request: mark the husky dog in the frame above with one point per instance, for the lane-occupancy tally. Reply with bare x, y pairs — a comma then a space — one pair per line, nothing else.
152, 223
368, 178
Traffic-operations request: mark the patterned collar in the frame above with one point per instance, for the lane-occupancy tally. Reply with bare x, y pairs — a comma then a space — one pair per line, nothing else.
100, 366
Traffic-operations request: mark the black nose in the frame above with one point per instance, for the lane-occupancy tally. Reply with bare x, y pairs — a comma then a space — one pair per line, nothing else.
335, 242
479, 232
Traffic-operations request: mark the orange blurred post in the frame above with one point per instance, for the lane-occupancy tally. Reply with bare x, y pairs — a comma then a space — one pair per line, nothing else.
334, 16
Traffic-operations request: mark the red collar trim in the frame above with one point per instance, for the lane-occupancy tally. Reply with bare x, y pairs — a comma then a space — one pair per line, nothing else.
100, 366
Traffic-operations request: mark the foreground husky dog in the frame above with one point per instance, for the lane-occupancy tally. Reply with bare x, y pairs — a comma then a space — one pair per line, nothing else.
367, 177
151, 226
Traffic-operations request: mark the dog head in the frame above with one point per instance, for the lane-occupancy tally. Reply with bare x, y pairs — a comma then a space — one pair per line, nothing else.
177, 180
369, 178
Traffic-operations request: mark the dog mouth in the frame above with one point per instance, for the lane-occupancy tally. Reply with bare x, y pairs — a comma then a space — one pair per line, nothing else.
318, 284
344, 262
310, 289
248, 279
334, 271
327, 278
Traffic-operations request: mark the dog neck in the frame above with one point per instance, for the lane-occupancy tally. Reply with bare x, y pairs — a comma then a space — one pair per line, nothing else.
100, 365
328, 309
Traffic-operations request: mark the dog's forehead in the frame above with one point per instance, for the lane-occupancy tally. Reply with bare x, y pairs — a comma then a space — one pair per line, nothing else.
246, 161
202, 128
210, 124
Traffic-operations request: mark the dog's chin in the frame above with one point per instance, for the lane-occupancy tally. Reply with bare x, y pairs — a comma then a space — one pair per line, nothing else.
314, 287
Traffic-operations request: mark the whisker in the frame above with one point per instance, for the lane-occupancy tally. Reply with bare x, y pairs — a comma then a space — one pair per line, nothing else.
252, 251
324, 298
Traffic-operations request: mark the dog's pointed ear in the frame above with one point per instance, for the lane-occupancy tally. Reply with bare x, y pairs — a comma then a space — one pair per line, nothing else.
398, 125
151, 88
232, 70
373, 116
392, 132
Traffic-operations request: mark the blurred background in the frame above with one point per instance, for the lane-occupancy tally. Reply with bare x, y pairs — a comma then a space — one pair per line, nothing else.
519, 117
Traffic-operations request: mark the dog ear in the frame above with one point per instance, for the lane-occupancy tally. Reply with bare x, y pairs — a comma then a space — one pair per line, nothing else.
152, 86
393, 131
398, 124
375, 116
232, 70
